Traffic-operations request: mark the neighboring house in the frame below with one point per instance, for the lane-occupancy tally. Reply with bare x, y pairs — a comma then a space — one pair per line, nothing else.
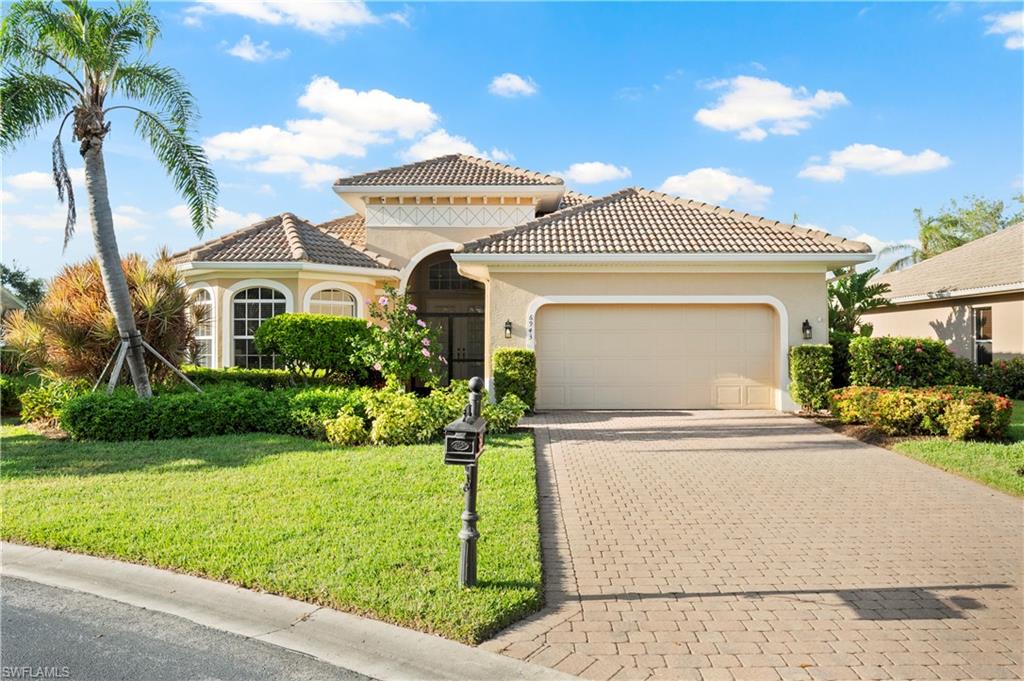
9, 301
633, 300
971, 297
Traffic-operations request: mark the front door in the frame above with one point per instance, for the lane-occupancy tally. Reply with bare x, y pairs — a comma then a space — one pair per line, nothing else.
461, 338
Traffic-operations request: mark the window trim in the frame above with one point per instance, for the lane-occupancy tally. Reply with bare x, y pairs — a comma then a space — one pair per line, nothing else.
203, 286
307, 298
227, 320
974, 332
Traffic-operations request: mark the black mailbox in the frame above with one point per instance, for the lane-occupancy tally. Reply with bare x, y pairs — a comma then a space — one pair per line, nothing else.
464, 440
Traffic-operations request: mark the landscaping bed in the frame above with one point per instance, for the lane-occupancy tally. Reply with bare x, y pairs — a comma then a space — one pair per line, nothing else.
999, 465
368, 530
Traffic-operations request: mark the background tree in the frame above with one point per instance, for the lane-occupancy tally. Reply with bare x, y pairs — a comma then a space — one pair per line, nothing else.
81, 62
954, 226
850, 295
29, 289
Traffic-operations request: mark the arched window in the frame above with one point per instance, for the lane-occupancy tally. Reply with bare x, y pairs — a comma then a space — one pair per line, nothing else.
202, 316
333, 301
444, 276
251, 307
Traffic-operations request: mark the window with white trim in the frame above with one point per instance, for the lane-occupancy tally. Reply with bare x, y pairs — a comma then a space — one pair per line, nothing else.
983, 335
251, 307
333, 301
202, 317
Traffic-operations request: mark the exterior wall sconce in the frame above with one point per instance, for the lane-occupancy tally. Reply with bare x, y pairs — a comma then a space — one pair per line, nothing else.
808, 332
508, 329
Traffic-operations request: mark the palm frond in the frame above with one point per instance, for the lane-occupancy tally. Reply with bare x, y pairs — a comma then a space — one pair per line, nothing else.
65, 189
29, 101
187, 165
33, 35
158, 86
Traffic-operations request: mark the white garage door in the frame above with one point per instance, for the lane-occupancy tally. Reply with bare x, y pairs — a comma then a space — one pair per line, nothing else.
655, 356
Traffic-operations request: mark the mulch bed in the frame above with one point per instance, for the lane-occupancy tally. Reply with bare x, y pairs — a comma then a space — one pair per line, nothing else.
871, 436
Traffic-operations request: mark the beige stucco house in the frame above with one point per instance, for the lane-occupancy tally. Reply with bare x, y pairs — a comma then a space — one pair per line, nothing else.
632, 300
971, 297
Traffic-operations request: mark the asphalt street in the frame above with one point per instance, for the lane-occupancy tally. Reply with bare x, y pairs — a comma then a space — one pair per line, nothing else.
47, 632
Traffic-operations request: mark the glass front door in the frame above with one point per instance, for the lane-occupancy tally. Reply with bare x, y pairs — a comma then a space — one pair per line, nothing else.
461, 339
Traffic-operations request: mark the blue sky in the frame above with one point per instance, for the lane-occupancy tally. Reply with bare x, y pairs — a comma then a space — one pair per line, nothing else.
848, 115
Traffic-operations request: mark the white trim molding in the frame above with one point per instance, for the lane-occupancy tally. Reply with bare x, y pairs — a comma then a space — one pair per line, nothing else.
782, 400
406, 272
939, 296
327, 285
227, 319
380, 273
825, 259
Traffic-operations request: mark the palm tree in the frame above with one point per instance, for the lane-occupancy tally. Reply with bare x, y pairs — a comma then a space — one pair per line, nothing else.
850, 295
82, 63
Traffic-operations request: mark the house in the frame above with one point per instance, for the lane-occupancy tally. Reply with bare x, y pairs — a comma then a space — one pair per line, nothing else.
971, 297
632, 300
9, 301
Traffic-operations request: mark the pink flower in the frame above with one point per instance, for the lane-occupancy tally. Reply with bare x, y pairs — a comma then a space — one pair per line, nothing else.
377, 367
919, 349
421, 323
410, 307
899, 367
383, 300
426, 353
386, 329
426, 342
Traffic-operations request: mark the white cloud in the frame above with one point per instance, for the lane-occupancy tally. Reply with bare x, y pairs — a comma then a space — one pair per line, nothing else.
512, 85
36, 180
7, 197
874, 159
756, 107
325, 18
226, 219
255, 52
593, 172
439, 143
1010, 24
350, 122
501, 155
717, 185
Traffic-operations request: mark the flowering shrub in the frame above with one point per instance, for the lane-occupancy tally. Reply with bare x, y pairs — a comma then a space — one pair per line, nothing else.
957, 411
1003, 377
404, 346
891, 362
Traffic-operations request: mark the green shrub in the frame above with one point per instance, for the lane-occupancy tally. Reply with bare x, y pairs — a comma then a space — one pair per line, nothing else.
404, 347
1003, 377
216, 411
515, 373
264, 379
45, 401
396, 418
11, 388
347, 430
503, 416
810, 374
317, 345
840, 342
892, 362
925, 411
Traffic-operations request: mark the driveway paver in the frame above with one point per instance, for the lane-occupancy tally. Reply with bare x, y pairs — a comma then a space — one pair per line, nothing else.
756, 545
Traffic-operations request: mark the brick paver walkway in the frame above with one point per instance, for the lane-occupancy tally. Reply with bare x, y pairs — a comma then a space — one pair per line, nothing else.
755, 545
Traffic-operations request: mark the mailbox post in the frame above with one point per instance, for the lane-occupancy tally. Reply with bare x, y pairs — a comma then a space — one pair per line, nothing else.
463, 444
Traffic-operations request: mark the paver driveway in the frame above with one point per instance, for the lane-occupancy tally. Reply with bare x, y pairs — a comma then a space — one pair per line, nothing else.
756, 545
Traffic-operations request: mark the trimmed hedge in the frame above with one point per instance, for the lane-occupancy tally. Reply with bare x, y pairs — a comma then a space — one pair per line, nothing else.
961, 412
810, 374
264, 379
317, 344
216, 411
892, 362
515, 373
1003, 377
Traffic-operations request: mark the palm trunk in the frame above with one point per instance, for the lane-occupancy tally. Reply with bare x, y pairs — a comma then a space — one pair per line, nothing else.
114, 280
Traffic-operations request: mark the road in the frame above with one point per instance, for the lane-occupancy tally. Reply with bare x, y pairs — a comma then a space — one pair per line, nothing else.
47, 632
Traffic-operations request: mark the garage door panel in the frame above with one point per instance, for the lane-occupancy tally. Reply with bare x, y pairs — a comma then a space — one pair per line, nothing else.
655, 356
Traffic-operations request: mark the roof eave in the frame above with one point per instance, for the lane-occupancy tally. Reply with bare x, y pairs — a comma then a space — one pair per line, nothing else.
355, 195
212, 265
938, 296
827, 259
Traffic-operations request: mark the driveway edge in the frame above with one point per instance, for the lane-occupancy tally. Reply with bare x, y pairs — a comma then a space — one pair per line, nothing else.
376, 649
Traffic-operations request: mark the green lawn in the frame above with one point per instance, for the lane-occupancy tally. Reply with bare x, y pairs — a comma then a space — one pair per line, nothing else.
367, 530
997, 465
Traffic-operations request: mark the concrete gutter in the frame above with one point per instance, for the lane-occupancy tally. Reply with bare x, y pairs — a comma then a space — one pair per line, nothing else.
376, 649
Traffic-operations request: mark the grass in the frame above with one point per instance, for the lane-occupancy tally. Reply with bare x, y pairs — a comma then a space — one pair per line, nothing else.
995, 464
367, 530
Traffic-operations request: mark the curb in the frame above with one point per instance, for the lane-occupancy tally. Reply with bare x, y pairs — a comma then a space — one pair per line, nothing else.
375, 649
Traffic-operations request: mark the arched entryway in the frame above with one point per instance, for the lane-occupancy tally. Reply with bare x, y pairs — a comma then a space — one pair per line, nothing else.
454, 306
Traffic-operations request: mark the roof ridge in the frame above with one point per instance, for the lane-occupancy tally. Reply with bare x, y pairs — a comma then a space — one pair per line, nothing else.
476, 160
819, 234
544, 219
294, 236
200, 249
